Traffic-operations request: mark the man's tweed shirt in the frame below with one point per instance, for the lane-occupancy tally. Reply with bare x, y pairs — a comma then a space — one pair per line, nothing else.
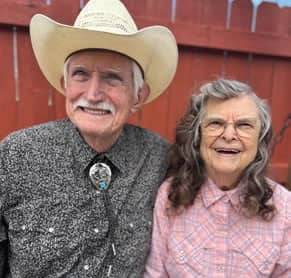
53, 222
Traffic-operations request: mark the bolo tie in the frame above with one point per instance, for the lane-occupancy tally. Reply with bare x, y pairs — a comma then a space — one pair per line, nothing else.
100, 173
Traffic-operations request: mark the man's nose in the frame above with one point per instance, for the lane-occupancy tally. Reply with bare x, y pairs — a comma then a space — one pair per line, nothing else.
229, 132
95, 90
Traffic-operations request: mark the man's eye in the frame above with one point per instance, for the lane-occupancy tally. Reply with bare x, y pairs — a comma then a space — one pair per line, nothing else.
79, 73
113, 79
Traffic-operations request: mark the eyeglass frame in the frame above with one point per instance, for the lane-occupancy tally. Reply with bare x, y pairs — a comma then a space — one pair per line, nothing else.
244, 127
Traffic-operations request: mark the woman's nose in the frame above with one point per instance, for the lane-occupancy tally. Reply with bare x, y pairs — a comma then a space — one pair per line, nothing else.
229, 132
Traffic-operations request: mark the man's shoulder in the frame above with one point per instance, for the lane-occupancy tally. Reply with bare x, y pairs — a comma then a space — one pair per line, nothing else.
37, 134
145, 138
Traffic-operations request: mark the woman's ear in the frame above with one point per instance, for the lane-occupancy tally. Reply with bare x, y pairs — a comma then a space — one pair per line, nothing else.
140, 98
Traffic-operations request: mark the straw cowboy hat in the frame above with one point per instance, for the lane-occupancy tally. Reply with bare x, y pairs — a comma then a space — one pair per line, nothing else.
105, 24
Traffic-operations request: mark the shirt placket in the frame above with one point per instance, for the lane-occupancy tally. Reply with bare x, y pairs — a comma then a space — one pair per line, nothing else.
221, 211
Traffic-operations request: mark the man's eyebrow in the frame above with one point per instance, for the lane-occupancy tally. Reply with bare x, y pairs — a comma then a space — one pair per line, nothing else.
116, 70
110, 69
77, 66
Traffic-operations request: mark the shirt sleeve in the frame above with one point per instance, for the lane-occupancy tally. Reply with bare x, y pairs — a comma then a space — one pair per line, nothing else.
3, 234
3, 251
155, 266
283, 267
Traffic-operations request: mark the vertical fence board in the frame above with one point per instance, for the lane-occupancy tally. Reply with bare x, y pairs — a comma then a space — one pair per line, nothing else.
154, 115
214, 15
8, 111
33, 88
241, 16
158, 9
59, 104
208, 65
261, 76
137, 8
268, 14
281, 106
237, 66
181, 89
189, 11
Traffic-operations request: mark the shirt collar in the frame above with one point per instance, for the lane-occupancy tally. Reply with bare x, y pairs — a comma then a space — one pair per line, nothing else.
81, 152
211, 194
119, 154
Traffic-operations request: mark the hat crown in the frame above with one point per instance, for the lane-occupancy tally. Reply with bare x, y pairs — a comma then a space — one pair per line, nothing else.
106, 16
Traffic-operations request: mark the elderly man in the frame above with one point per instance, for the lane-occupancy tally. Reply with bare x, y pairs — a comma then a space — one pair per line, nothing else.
76, 195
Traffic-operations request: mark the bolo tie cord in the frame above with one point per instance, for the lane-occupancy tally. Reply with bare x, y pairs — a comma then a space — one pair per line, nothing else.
100, 175
107, 269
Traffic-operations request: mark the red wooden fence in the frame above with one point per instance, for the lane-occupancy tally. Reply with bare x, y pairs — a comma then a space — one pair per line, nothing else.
207, 50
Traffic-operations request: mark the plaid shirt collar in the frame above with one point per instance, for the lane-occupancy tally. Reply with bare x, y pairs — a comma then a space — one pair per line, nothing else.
211, 194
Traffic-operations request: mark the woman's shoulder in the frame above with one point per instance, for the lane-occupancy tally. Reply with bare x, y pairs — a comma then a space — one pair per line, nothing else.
281, 199
163, 193
165, 187
279, 191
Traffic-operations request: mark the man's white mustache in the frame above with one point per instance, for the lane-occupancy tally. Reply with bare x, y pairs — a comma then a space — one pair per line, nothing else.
99, 105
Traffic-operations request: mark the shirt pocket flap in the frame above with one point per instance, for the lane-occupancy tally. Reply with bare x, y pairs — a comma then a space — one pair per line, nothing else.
134, 234
262, 254
186, 251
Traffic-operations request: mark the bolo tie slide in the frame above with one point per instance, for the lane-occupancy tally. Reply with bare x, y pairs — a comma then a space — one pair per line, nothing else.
100, 175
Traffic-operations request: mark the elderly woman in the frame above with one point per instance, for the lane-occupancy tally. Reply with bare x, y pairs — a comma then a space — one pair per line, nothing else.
217, 214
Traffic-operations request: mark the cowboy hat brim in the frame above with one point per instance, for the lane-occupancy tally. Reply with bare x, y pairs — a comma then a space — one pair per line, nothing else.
153, 48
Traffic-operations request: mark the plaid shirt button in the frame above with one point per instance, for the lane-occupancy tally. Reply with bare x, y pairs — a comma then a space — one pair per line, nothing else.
220, 268
266, 265
181, 256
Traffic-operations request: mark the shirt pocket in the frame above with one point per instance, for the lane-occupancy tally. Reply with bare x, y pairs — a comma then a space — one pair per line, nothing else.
189, 252
134, 237
37, 237
255, 256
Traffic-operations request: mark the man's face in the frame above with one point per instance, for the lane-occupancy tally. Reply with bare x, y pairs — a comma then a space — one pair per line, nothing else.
230, 131
99, 93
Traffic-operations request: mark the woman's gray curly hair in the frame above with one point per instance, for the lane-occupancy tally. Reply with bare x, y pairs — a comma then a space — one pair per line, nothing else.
187, 168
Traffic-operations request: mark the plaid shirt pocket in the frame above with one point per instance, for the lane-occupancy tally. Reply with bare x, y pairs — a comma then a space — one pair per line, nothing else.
256, 256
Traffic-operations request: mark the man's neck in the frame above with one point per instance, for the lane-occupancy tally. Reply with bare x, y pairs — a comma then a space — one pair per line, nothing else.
101, 143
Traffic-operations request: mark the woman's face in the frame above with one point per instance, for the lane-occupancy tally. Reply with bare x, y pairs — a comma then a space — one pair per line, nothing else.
230, 131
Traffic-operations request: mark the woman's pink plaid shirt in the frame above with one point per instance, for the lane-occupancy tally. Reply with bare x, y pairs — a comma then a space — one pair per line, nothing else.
213, 238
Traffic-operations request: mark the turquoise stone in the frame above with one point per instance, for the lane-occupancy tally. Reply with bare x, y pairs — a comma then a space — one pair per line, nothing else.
102, 184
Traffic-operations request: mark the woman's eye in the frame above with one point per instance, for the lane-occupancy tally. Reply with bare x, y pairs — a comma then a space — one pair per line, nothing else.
215, 123
244, 125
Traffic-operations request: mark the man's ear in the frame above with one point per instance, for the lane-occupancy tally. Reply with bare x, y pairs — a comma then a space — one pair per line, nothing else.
140, 99
62, 81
